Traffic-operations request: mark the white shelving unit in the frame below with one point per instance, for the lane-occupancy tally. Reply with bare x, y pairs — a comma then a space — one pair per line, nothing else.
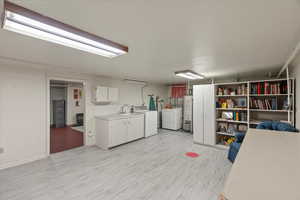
235, 92
255, 115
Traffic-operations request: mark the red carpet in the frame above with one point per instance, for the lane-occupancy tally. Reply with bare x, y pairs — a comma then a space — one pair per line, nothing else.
62, 139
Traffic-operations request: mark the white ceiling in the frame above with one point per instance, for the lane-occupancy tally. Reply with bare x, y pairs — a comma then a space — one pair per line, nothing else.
215, 38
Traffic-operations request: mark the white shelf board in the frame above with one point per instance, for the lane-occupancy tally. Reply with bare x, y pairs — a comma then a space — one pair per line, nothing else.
232, 83
232, 109
222, 146
255, 122
223, 133
232, 95
267, 95
262, 110
258, 122
232, 121
270, 80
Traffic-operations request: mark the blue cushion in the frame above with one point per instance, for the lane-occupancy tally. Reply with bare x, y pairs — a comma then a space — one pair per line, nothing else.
277, 126
233, 151
265, 125
236, 145
285, 127
239, 137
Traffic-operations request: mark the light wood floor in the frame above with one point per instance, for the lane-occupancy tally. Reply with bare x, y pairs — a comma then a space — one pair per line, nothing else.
149, 169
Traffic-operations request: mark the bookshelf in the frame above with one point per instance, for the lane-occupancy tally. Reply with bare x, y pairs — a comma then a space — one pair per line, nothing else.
231, 110
243, 105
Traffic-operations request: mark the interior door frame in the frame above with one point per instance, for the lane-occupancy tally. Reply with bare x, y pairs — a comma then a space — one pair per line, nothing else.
48, 117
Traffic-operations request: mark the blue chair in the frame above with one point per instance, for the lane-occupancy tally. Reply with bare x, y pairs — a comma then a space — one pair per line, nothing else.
276, 126
235, 146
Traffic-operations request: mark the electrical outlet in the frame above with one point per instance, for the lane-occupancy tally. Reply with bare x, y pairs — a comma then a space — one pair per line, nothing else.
90, 133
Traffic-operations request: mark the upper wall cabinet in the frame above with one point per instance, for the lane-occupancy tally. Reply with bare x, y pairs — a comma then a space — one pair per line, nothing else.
113, 94
106, 94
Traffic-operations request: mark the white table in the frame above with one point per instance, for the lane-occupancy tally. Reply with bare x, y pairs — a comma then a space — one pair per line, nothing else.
266, 168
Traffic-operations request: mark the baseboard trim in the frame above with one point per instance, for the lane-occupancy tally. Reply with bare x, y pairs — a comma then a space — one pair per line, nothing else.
21, 162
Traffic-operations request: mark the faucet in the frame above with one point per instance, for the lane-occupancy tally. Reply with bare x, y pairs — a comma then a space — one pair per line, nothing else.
125, 108
132, 109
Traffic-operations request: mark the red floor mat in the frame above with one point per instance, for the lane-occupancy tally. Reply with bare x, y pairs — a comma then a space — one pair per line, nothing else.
192, 154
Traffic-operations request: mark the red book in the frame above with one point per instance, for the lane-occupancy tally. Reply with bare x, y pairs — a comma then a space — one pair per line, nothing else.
266, 92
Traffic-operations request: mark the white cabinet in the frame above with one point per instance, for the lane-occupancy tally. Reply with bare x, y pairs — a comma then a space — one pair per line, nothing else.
117, 132
114, 130
151, 123
106, 94
198, 114
204, 114
135, 128
113, 94
172, 118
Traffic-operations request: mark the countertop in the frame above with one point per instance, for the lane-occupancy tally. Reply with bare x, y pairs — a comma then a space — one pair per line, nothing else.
119, 116
267, 167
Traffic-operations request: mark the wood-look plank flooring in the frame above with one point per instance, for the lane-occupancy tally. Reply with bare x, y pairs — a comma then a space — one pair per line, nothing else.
155, 168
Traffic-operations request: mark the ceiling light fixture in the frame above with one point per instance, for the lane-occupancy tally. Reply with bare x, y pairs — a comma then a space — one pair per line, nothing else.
189, 74
24, 21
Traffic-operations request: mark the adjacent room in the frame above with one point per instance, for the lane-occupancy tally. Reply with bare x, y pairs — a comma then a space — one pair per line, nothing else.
149, 100
67, 110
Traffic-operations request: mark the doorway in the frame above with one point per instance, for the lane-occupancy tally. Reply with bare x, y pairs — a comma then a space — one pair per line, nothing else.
67, 112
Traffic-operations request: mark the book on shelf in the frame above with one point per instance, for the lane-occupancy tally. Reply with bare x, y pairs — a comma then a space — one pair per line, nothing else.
264, 104
240, 116
224, 127
232, 91
266, 87
231, 103
234, 115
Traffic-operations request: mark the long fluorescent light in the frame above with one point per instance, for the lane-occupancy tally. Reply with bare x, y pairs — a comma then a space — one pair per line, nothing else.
30, 23
136, 82
189, 74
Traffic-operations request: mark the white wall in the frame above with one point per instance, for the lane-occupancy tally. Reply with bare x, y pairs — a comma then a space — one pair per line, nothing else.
23, 109
22, 116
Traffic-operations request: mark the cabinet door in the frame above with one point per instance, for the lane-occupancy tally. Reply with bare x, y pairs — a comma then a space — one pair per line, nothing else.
101, 94
113, 94
204, 114
135, 128
117, 132
209, 115
198, 114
